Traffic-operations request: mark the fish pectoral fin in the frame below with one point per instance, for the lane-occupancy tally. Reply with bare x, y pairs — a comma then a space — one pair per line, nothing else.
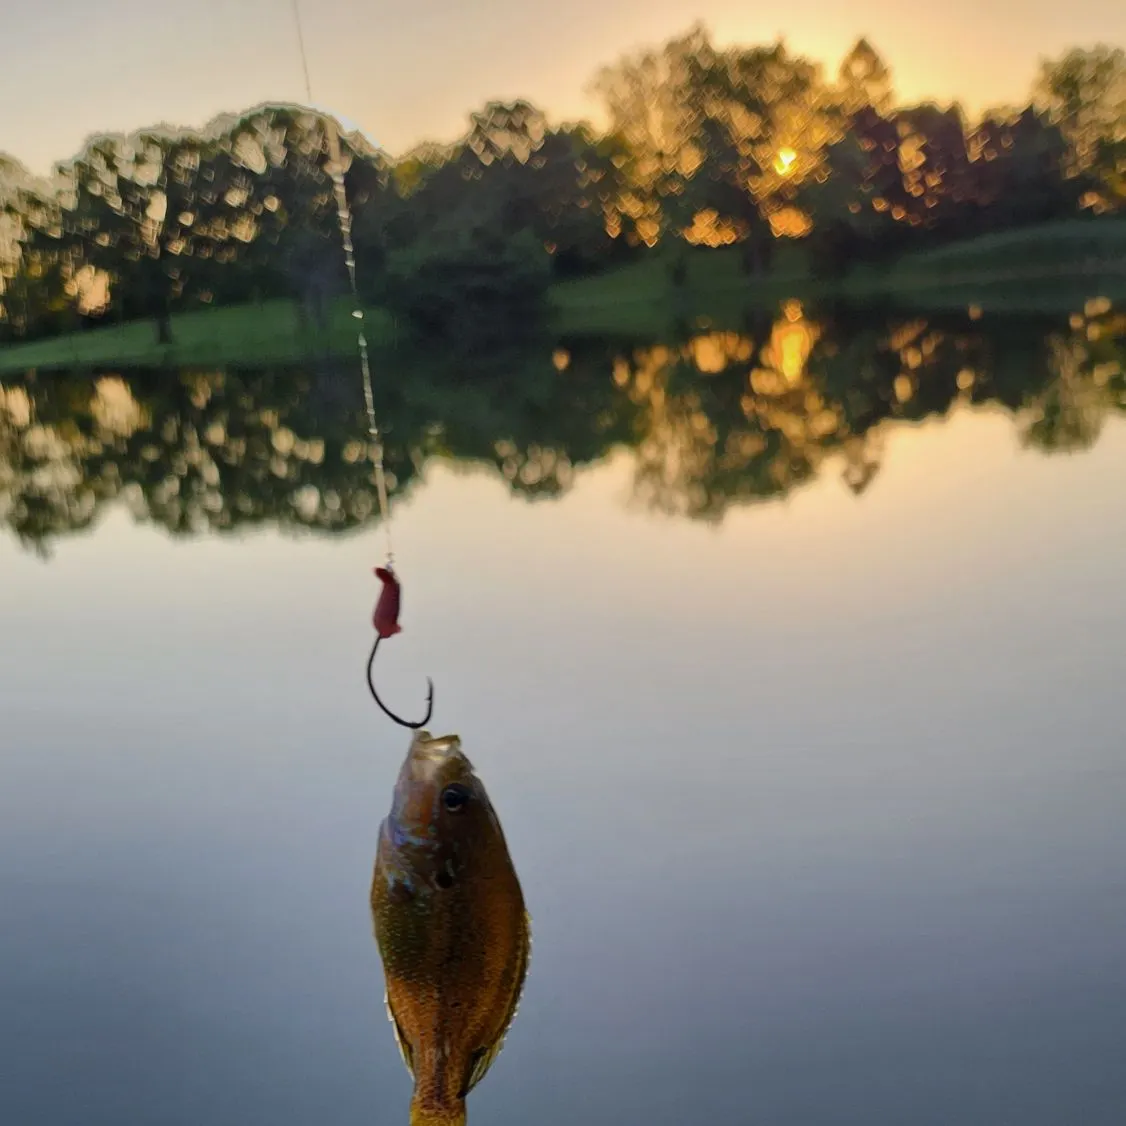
484, 1058
400, 1037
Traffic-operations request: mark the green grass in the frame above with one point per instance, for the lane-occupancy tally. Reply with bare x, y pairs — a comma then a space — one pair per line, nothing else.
1067, 240
1051, 268
260, 333
641, 298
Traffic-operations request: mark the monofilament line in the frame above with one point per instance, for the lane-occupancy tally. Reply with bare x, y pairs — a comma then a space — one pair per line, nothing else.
344, 218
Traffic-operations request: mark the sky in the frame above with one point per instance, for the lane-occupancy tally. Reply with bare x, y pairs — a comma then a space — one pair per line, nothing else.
408, 72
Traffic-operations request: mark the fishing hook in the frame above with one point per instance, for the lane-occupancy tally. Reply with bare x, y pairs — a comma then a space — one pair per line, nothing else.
375, 695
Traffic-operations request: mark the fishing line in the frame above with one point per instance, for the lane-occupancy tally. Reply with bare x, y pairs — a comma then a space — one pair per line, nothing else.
386, 615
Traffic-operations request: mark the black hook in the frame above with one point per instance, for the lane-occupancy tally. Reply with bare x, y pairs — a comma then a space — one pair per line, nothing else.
399, 719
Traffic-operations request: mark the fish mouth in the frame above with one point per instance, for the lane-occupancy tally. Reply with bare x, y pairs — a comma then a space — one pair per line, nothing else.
428, 755
427, 746
430, 758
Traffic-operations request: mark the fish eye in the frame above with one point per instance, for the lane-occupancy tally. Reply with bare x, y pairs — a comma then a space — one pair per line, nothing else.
455, 797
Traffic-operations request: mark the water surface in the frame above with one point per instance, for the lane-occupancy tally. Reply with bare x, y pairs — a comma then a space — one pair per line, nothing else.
797, 688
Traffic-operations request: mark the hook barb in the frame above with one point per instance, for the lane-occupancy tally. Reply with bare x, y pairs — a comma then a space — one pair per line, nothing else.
387, 711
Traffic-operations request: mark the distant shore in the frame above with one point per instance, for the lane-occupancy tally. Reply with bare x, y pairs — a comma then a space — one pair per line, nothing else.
1051, 268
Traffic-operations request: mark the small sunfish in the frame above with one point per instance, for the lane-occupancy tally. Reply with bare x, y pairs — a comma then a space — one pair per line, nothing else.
451, 926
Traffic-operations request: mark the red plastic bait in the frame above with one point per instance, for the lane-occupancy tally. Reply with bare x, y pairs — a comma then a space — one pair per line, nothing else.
386, 616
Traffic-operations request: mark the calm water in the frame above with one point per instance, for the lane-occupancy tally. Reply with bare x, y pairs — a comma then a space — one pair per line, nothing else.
819, 802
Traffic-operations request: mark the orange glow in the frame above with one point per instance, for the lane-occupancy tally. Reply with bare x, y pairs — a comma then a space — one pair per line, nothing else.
708, 229
791, 342
785, 161
790, 222
714, 351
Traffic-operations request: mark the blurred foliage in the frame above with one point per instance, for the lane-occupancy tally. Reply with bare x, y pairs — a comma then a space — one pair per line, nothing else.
740, 145
712, 417
1084, 93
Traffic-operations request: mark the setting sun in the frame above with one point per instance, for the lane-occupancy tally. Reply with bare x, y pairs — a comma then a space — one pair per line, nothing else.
784, 161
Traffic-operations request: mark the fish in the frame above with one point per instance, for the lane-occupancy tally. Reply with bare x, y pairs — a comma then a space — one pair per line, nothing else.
450, 921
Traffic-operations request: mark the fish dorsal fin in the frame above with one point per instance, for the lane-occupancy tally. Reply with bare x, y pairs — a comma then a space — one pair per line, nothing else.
400, 1037
484, 1058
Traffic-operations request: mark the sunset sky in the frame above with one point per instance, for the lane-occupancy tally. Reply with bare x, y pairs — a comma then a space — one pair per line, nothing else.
412, 71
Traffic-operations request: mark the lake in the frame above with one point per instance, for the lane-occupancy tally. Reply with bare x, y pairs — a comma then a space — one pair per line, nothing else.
792, 655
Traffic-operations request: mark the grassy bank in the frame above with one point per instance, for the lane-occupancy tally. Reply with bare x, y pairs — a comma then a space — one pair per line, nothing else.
262, 333
641, 297
1053, 268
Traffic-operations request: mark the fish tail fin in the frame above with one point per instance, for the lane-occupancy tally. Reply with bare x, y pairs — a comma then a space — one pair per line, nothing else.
438, 1116
448, 1114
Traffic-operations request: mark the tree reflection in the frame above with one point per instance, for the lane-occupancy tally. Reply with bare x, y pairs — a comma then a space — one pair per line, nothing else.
714, 418
1087, 384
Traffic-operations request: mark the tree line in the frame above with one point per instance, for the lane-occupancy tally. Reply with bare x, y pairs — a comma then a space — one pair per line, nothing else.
742, 146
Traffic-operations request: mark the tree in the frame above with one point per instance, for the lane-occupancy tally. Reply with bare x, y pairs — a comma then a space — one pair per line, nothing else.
934, 165
471, 288
651, 99
473, 246
864, 79
723, 134
174, 220
857, 201
1084, 92
275, 164
113, 220
141, 212
1018, 165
